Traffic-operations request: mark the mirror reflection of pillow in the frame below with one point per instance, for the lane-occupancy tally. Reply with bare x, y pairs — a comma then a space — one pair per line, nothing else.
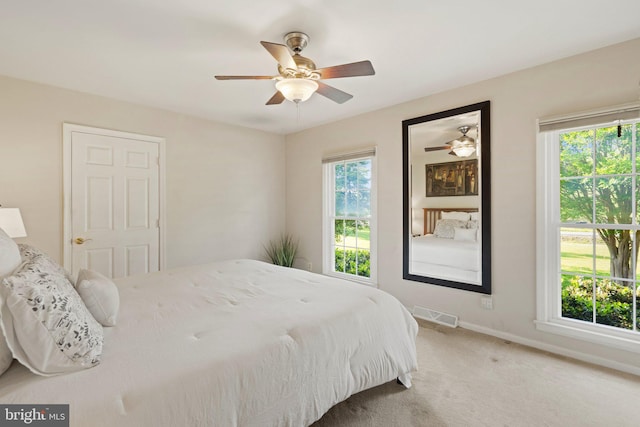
472, 224
462, 216
464, 234
444, 227
100, 295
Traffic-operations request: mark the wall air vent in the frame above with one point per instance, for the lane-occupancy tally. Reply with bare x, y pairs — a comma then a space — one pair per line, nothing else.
435, 316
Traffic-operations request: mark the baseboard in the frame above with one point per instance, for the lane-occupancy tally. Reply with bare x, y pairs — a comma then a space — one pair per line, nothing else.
552, 348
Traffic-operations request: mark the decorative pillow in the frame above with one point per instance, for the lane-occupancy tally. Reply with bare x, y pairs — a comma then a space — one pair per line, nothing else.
46, 324
28, 252
472, 224
462, 216
464, 234
475, 216
9, 255
100, 295
444, 227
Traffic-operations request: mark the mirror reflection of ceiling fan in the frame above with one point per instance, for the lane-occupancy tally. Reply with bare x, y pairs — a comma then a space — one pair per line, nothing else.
298, 77
463, 146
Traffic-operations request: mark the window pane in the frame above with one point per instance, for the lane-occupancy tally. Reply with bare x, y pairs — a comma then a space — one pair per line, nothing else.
576, 203
364, 175
577, 297
339, 232
637, 308
363, 234
613, 200
340, 177
576, 251
613, 154
339, 259
340, 203
364, 263
352, 176
364, 203
614, 303
352, 204
618, 251
576, 153
350, 233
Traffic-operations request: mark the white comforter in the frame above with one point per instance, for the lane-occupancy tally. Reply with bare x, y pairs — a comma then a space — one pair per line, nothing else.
235, 343
460, 254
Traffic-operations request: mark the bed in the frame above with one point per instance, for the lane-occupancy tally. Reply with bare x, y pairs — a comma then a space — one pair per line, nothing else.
232, 343
454, 252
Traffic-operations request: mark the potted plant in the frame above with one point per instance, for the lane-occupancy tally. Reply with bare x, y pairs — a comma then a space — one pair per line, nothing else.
282, 251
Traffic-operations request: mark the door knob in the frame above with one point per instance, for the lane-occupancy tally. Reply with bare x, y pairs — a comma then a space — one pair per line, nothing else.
80, 240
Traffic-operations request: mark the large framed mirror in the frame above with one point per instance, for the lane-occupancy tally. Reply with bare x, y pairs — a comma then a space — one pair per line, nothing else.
447, 198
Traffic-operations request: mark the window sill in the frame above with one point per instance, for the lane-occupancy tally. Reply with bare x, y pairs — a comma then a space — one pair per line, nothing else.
352, 278
559, 327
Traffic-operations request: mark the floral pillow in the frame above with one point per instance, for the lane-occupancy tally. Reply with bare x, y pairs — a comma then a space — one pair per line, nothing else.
28, 252
46, 324
445, 227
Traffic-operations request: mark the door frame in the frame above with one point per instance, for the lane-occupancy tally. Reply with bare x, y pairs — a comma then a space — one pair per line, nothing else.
67, 130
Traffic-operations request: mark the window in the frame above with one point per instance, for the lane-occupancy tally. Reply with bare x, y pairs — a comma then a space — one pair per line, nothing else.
589, 229
349, 217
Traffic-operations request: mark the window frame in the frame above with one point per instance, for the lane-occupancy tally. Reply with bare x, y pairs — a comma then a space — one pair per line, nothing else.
548, 294
328, 217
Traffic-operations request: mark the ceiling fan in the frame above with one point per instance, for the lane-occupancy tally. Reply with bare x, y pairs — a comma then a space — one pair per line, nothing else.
463, 146
298, 77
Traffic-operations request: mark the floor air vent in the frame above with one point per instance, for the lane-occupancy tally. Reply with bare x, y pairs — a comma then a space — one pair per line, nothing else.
435, 316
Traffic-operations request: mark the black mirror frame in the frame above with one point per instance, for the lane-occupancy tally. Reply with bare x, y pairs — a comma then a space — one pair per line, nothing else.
485, 202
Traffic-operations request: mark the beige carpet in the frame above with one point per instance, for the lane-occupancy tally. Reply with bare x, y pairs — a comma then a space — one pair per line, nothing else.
470, 379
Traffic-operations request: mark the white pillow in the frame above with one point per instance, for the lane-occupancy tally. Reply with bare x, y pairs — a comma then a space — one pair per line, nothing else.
9, 255
462, 216
46, 324
475, 216
444, 227
464, 234
100, 295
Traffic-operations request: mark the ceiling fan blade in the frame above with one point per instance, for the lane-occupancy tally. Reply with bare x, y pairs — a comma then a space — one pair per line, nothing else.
244, 77
281, 54
333, 94
442, 147
277, 98
362, 68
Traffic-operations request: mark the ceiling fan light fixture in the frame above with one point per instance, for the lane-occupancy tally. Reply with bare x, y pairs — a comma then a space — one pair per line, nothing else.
297, 90
465, 145
464, 150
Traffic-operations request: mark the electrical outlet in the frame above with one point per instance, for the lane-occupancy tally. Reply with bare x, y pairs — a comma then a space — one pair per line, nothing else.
486, 303
309, 266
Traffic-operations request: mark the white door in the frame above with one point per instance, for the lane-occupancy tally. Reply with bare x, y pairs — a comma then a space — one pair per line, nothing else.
114, 202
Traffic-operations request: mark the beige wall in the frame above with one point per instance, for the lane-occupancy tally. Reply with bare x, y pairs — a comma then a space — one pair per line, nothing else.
604, 77
225, 184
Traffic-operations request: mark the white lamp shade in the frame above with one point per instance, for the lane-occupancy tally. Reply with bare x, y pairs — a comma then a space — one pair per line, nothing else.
11, 222
296, 90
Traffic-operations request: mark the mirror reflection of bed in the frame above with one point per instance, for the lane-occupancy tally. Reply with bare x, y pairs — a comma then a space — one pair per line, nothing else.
448, 247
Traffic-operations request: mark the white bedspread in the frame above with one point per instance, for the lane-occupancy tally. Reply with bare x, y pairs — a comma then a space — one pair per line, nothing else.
235, 343
460, 254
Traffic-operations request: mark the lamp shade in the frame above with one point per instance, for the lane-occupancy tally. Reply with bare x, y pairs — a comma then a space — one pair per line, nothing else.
296, 90
11, 222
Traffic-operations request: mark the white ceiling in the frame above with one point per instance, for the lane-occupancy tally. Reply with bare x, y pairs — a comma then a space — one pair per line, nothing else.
164, 53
